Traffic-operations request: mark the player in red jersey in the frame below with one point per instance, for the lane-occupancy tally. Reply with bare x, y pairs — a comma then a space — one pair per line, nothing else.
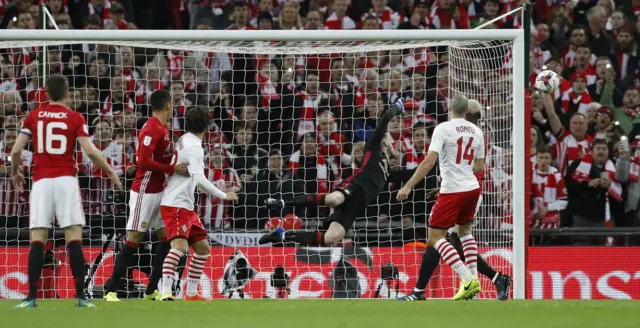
431, 257
153, 158
55, 192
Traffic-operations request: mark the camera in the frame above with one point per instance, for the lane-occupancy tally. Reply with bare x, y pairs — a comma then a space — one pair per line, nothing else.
388, 273
280, 281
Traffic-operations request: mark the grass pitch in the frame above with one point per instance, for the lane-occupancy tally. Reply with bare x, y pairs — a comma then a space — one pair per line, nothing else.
326, 314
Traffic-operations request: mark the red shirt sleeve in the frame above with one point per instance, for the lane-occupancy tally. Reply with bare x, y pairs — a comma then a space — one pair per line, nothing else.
27, 124
82, 130
146, 148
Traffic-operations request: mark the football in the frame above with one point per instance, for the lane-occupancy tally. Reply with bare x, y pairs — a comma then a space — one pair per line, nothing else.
547, 81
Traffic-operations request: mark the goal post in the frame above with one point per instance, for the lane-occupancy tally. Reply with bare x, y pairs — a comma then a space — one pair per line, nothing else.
460, 43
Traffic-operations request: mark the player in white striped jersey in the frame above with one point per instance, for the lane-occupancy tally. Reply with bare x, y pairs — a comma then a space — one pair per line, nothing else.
184, 228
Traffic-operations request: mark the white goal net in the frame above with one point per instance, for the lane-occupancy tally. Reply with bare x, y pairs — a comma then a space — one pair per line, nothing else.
290, 117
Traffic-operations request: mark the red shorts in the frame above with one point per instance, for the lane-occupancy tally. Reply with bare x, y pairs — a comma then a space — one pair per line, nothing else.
182, 223
454, 208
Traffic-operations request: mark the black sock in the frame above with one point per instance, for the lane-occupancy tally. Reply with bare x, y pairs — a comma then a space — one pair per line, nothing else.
156, 271
311, 238
485, 269
77, 261
36, 260
123, 260
307, 200
430, 261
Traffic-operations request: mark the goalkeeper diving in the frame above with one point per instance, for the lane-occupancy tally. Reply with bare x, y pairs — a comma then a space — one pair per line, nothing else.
351, 198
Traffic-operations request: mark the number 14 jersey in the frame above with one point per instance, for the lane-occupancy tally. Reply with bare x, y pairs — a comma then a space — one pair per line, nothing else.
458, 143
53, 130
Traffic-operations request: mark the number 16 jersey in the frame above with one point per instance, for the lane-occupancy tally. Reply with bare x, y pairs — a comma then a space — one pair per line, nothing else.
458, 143
53, 130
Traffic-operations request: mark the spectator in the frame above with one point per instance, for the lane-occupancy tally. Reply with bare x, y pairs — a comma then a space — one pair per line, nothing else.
578, 38
370, 22
386, 17
624, 57
597, 37
13, 201
618, 22
216, 213
591, 183
26, 21
245, 155
10, 103
289, 18
313, 21
627, 168
603, 126
548, 192
582, 65
265, 19
116, 18
605, 89
339, 20
331, 143
118, 100
241, 15
310, 171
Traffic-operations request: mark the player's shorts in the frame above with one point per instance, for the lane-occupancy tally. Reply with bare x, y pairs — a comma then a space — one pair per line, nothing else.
182, 223
144, 212
354, 206
454, 208
56, 197
453, 229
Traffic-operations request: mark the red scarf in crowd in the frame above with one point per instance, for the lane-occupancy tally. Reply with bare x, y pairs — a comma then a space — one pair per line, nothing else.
174, 65
584, 99
548, 187
631, 111
581, 174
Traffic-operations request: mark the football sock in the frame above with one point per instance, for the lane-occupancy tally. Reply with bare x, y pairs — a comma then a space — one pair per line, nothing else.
470, 249
156, 271
169, 270
486, 269
311, 238
123, 260
77, 261
36, 260
450, 256
195, 272
455, 242
307, 200
430, 261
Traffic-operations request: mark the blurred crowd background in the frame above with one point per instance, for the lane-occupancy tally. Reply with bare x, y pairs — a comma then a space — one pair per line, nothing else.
291, 124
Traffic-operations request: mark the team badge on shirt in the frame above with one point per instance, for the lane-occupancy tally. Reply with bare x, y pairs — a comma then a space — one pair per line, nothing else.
147, 140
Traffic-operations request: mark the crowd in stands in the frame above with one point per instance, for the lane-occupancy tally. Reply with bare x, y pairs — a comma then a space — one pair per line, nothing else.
290, 124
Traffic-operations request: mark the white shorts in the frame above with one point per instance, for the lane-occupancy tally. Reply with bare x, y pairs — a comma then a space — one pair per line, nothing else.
453, 229
144, 212
55, 197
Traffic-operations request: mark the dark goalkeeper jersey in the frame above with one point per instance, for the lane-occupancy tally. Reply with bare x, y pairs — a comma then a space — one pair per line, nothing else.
374, 173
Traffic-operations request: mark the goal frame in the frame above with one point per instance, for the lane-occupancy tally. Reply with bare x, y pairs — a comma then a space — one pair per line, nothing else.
519, 54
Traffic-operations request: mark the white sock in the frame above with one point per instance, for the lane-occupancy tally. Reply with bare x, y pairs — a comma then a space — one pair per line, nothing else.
416, 290
195, 272
449, 255
169, 270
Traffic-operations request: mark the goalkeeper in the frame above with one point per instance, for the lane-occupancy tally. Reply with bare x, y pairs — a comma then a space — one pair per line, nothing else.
351, 198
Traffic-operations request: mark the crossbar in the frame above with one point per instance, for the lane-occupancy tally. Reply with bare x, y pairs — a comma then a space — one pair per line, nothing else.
270, 35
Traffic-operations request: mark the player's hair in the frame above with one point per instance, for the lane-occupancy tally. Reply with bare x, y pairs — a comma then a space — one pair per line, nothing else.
57, 88
475, 111
459, 105
159, 100
197, 119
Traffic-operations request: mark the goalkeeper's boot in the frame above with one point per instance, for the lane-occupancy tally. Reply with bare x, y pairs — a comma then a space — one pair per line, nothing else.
414, 296
272, 203
166, 297
503, 287
27, 303
468, 290
151, 297
196, 297
111, 297
84, 303
276, 236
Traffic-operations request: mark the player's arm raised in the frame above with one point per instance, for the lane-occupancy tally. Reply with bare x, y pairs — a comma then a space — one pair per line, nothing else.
145, 159
381, 129
96, 157
196, 170
16, 157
